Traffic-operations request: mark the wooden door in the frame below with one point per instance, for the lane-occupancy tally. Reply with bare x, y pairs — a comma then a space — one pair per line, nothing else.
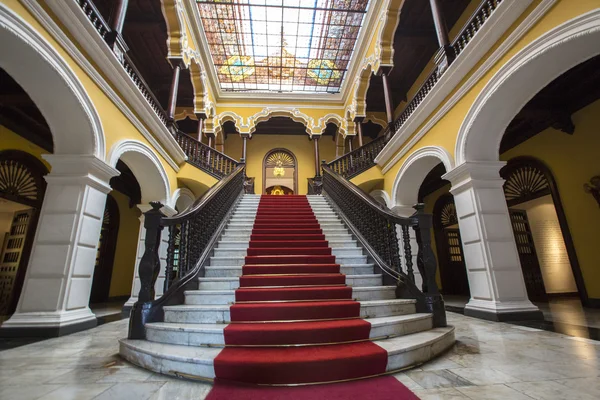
455, 270
527, 255
10, 259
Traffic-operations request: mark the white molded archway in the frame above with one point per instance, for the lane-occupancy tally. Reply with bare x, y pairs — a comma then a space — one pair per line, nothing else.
405, 191
521, 78
52, 85
146, 166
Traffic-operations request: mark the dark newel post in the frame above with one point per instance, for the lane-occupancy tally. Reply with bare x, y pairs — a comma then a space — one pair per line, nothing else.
445, 55
359, 132
434, 300
201, 117
115, 38
389, 107
148, 270
317, 156
177, 64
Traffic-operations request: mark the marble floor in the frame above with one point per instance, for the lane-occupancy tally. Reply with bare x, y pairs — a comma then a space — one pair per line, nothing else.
490, 361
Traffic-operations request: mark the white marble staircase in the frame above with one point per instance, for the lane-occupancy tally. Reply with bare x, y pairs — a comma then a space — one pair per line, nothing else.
191, 336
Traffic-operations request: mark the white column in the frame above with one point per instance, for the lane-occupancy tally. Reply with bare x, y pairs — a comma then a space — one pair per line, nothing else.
407, 211
493, 268
160, 281
56, 290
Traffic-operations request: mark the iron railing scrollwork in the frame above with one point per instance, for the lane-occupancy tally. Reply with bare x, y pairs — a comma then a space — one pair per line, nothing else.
355, 162
192, 234
376, 227
205, 157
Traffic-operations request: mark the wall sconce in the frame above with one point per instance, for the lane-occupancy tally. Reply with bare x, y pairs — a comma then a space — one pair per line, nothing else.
593, 187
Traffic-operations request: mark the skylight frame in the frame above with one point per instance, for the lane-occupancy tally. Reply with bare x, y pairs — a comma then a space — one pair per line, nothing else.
283, 77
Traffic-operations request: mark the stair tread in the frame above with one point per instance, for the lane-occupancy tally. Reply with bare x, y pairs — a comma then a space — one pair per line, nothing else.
226, 307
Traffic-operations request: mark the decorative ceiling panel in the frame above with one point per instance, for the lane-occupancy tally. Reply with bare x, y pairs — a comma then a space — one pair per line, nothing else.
298, 46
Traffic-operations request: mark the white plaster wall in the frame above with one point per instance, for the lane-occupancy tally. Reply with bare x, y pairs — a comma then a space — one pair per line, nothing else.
549, 245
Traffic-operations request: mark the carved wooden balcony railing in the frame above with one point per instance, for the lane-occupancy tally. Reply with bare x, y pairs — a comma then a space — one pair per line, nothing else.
106, 33
474, 24
204, 157
193, 234
355, 162
376, 227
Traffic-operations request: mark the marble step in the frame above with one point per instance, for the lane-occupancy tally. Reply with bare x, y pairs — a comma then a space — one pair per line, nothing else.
217, 313
221, 261
233, 282
233, 235
241, 252
223, 297
247, 228
211, 335
225, 243
403, 352
236, 271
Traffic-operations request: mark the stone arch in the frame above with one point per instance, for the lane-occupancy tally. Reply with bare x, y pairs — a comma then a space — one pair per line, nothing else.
363, 78
382, 197
521, 78
147, 168
53, 87
229, 116
267, 113
405, 190
182, 198
198, 76
331, 118
385, 42
176, 34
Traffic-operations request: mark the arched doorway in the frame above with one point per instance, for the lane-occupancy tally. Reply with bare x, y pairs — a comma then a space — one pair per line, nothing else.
105, 254
544, 242
453, 270
22, 189
280, 172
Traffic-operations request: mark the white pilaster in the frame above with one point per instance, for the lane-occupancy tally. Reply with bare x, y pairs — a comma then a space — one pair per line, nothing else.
493, 267
160, 281
57, 285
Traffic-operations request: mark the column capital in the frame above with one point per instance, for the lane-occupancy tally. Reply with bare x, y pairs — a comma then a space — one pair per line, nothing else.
88, 170
167, 210
246, 135
384, 69
359, 119
176, 62
200, 115
474, 173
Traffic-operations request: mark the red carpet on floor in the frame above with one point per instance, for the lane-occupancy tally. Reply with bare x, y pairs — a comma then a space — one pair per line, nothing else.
382, 388
292, 293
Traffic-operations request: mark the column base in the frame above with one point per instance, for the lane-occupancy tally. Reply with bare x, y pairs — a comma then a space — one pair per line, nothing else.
502, 312
48, 324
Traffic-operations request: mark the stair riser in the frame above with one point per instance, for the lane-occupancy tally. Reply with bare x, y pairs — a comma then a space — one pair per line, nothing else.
236, 242
223, 272
219, 317
199, 298
340, 251
198, 339
420, 354
386, 310
239, 261
219, 285
358, 282
217, 338
158, 363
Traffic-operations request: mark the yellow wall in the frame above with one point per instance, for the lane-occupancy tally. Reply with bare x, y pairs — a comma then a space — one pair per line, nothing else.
300, 145
10, 140
127, 240
573, 160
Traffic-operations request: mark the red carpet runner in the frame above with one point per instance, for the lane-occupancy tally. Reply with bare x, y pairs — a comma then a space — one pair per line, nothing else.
292, 293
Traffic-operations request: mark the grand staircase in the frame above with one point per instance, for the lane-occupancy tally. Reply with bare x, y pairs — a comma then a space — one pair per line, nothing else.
289, 298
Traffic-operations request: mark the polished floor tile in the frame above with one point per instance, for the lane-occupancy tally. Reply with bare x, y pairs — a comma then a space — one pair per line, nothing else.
489, 361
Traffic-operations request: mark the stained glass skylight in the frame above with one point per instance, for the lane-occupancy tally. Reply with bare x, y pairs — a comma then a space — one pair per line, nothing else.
282, 45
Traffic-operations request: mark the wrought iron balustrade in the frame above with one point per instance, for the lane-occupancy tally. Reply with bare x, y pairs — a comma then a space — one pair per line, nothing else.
205, 157
192, 234
377, 228
355, 162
